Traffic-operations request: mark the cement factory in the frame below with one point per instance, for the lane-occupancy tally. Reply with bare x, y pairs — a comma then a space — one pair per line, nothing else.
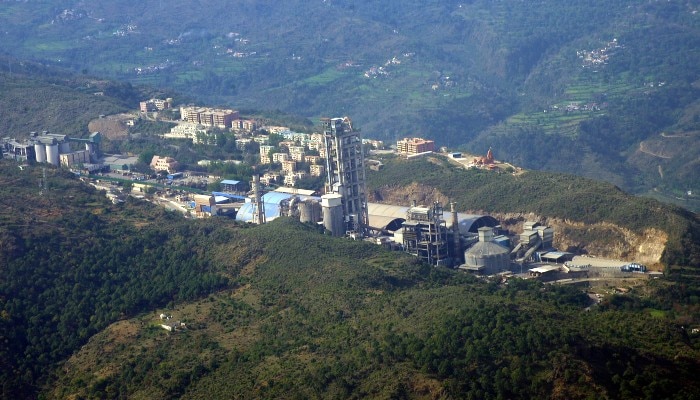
54, 149
474, 243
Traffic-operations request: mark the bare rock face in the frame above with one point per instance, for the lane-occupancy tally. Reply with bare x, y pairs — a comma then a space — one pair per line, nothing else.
113, 126
601, 239
404, 195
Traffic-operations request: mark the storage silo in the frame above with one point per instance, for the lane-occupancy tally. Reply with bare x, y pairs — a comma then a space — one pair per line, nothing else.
52, 154
310, 211
315, 210
487, 256
332, 207
40, 152
305, 212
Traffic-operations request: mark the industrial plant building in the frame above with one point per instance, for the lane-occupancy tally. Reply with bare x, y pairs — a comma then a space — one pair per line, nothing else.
487, 257
53, 149
345, 167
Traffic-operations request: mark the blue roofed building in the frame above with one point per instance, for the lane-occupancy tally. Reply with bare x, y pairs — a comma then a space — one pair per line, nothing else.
231, 186
273, 204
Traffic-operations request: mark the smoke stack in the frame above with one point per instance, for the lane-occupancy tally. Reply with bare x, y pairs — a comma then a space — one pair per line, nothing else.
455, 232
259, 216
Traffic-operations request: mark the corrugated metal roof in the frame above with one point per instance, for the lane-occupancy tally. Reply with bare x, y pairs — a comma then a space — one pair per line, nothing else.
275, 197
544, 269
302, 192
380, 215
230, 182
228, 195
554, 254
245, 213
598, 262
487, 249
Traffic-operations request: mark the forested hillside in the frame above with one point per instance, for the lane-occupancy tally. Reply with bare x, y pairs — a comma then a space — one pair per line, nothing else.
281, 311
605, 89
36, 97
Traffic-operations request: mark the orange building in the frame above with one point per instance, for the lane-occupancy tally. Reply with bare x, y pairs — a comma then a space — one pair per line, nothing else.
414, 145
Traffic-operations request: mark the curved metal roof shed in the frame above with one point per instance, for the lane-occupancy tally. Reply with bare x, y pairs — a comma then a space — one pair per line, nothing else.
390, 217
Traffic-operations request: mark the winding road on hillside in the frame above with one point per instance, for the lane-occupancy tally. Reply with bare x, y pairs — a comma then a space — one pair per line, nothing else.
651, 153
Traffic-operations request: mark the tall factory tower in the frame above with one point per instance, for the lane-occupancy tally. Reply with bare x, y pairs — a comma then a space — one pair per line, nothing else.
345, 164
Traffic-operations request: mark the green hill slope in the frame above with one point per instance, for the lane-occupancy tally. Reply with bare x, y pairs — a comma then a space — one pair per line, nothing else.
281, 311
35, 97
316, 317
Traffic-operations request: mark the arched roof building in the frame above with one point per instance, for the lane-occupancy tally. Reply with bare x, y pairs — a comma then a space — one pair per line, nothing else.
272, 201
389, 217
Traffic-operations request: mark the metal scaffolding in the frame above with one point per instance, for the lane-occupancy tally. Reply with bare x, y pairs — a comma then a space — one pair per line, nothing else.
425, 234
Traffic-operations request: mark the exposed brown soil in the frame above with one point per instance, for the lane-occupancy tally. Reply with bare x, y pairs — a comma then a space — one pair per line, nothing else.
113, 127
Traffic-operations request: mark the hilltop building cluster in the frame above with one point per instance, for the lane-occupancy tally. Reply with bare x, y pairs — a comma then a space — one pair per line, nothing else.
414, 146
597, 57
212, 117
154, 105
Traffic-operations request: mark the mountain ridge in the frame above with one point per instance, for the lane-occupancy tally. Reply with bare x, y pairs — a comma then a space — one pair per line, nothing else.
474, 74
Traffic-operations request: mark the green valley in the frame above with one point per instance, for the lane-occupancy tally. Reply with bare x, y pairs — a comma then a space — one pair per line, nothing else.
471, 75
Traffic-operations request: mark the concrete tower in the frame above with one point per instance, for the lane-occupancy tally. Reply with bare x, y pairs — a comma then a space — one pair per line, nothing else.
345, 164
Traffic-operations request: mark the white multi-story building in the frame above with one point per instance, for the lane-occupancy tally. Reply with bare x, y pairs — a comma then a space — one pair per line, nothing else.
164, 164
265, 153
241, 143
313, 159
297, 153
279, 157
186, 130
289, 167
291, 180
270, 177
317, 170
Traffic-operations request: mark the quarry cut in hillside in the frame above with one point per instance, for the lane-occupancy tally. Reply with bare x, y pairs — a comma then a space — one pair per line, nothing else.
113, 127
602, 239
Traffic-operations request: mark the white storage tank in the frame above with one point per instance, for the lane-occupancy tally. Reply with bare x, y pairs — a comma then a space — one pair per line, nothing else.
309, 211
333, 214
40, 151
52, 154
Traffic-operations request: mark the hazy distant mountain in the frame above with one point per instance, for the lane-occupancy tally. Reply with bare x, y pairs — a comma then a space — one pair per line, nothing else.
579, 87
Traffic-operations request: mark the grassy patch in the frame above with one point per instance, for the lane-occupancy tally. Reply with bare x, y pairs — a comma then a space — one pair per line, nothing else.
657, 313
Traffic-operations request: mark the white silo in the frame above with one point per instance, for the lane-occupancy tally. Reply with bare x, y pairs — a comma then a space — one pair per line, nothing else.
52, 154
40, 152
332, 205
